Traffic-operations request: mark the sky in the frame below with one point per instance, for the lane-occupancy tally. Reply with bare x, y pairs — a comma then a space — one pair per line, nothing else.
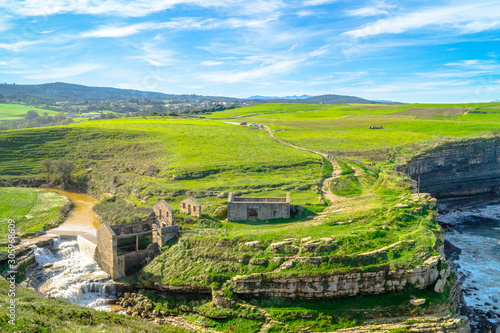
406, 51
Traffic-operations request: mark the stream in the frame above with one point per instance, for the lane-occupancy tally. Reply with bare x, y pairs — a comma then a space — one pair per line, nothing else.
63, 272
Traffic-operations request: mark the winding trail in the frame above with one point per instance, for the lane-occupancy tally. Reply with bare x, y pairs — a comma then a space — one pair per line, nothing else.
325, 185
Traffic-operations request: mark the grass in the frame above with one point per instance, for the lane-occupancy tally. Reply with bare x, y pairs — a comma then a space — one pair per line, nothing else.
204, 256
18, 111
37, 314
31, 209
117, 154
328, 315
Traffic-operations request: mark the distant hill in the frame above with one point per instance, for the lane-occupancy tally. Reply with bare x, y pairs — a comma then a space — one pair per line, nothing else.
60, 91
276, 97
325, 99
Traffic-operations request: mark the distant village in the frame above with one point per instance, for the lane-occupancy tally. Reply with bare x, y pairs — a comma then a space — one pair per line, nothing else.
137, 107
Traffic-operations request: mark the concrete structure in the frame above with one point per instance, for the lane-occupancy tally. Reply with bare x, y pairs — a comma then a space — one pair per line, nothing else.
191, 206
123, 248
248, 209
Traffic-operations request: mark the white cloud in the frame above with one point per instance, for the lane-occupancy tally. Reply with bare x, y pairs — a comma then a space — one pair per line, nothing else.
129, 8
463, 63
264, 71
313, 3
183, 23
56, 73
211, 63
16, 47
155, 56
466, 18
366, 11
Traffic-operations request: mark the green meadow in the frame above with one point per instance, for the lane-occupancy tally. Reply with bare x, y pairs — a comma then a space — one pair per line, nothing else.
18, 111
31, 209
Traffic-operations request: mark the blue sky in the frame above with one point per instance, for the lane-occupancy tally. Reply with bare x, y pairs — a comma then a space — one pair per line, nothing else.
409, 51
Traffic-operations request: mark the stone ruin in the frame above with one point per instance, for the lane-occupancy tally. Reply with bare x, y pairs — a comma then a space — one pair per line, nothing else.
254, 208
123, 248
191, 206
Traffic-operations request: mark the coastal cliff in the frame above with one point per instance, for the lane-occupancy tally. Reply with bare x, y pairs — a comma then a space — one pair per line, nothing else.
459, 171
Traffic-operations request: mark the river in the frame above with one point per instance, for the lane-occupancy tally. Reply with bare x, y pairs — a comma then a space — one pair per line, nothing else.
63, 272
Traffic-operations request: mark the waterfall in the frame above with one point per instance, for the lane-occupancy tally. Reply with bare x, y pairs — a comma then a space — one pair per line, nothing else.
87, 247
71, 276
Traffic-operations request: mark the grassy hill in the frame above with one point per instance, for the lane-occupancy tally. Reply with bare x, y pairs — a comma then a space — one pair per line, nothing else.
60, 91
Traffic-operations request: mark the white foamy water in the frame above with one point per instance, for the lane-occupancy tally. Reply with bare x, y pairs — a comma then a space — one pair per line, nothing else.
73, 277
477, 234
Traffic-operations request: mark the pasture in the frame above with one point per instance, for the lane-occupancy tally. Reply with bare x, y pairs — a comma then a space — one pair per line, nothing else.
31, 209
18, 111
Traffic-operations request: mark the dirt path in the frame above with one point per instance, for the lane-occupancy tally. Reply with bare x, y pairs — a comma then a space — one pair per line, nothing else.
325, 186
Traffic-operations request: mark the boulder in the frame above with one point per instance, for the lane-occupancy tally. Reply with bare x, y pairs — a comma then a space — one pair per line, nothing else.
417, 301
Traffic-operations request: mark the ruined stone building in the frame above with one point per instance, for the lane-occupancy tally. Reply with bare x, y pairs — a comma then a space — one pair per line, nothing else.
122, 248
248, 209
191, 206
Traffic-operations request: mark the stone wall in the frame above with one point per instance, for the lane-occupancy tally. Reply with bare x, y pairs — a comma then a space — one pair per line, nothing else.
87, 247
245, 208
164, 213
162, 235
338, 285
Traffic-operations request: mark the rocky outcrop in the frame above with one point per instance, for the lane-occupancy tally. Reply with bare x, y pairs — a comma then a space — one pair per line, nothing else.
439, 323
459, 169
347, 284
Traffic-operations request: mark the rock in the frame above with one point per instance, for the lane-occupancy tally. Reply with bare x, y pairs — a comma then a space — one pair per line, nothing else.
311, 245
135, 314
439, 287
327, 240
305, 239
252, 244
149, 306
417, 302
287, 264
258, 261
156, 312
279, 245
401, 205
130, 310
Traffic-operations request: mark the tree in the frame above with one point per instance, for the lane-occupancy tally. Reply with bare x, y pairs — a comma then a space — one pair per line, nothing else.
63, 169
31, 114
47, 167
59, 171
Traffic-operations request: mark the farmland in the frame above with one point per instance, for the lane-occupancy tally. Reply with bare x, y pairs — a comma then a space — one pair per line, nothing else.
18, 111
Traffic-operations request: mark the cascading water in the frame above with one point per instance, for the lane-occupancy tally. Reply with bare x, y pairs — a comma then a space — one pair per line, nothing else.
68, 275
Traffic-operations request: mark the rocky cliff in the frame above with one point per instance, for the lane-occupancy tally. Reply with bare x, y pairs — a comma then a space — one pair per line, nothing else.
349, 284
459, 169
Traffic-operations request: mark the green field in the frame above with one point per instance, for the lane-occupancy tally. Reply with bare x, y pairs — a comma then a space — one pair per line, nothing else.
18, 111
31, 209
185, 156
